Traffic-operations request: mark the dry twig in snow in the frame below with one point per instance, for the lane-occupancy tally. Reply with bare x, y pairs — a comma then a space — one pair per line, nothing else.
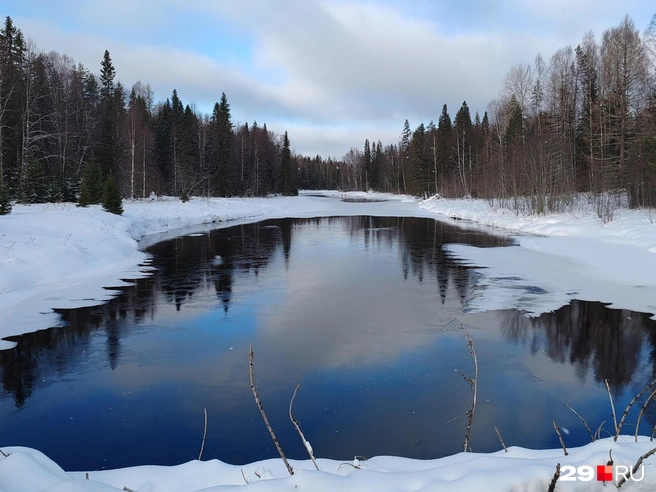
202, 446
264, 416
612, 405
501, 439
306, 444
552, 485
628, 408
637, 466
642, 410
473, 382
582, 420
560, 437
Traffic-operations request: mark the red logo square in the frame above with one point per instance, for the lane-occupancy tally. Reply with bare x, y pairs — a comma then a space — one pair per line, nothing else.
604, 473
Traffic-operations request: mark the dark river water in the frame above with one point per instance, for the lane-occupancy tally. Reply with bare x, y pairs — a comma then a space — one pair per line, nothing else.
350, 308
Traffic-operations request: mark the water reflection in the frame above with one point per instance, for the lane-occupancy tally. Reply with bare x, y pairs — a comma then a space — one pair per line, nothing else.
590, 337
352, 308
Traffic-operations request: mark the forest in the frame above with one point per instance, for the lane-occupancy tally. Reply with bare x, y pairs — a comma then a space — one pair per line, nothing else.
62, 126
583, 120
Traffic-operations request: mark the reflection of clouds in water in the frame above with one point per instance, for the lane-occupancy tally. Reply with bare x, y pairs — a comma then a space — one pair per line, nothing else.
334, 317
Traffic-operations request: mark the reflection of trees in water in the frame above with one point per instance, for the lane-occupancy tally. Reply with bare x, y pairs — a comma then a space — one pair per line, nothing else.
184, 266
188, 265
422, 252
46, 355
588, 336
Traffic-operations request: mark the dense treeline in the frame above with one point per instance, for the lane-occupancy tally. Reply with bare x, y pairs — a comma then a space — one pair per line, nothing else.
59, 122
583, 121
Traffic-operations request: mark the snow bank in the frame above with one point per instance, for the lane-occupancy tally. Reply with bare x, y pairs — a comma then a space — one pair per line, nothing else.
28, 470
560, 257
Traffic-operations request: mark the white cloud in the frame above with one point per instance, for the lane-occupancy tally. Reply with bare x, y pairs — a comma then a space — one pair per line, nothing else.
339, 71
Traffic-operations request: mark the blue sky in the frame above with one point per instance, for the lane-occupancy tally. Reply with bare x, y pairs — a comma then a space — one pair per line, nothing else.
331, 72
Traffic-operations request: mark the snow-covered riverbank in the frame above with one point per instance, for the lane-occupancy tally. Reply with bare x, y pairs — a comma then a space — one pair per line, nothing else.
27, 470
560, 257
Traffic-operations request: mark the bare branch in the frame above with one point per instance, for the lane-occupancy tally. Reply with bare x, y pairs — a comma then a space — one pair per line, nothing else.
306, 444
637, 466
612, 405
560, 437
202, 446
472, 381
552, 485
628, 408
598, 432
642, 410
582, 420
264, 416
501, 439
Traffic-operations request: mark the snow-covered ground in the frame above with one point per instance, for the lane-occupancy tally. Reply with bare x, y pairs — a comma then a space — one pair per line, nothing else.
27, 470
560, 257
59, 255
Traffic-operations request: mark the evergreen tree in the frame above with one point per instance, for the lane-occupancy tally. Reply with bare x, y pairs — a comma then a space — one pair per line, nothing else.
32, 185
463, 143
112, 200
420, 163
110, 103
404, 155
163, 134
287, 187
444, 144
92, 186
222, 136
366, 165
12, 57
5, 204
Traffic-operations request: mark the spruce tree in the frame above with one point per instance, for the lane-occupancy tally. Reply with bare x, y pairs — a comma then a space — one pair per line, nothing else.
5, 204
221, 137
112, 200
92, 186
286, 178
111, 100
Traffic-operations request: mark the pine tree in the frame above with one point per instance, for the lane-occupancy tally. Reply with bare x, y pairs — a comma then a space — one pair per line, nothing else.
92, 186
112, 200
5, 204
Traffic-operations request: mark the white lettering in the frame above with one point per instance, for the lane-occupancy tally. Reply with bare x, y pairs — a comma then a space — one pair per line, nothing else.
633, 477
624, 471
567, 473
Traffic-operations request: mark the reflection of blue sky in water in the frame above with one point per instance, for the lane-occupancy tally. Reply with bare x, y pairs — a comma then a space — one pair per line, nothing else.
377, 368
